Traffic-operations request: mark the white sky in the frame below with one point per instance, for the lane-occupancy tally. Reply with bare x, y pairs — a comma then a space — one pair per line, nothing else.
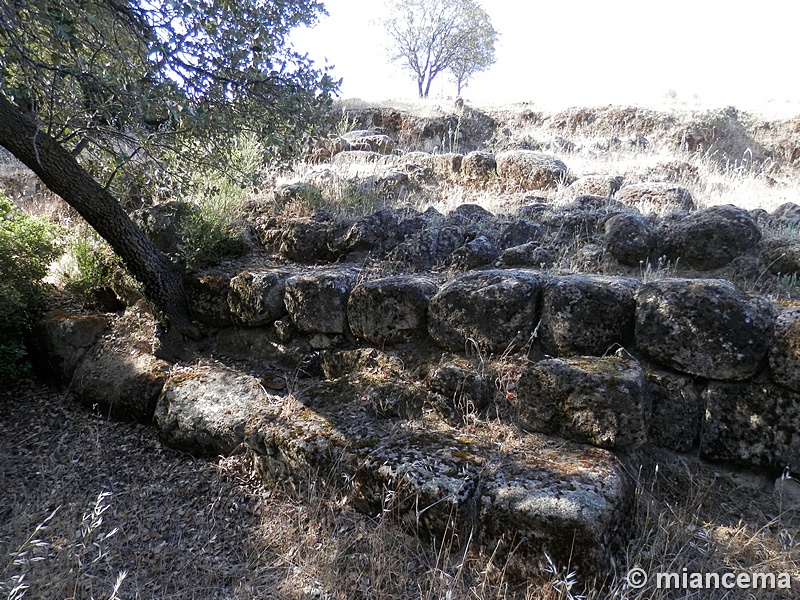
573, 52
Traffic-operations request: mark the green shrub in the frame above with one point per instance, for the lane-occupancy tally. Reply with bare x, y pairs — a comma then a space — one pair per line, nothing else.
27, 247
93, 263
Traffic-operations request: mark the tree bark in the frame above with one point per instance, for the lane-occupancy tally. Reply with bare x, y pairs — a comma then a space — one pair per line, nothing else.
61, 173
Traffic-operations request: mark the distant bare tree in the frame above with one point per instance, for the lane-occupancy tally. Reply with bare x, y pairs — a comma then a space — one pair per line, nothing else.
429, 37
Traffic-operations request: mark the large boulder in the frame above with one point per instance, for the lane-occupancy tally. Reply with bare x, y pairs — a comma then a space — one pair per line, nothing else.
120, 377
317, 300
573, 502
257, 297
709, 238
597, 401
530, 170
207, 295
677, 409
704, 327
475, 253
629, 239
784, 352
587, 314
203, 409
61, 340
493, 310
661, 198
780, 255
596, 185
478, 165
390, 310
428, 247
306, 240
756, 424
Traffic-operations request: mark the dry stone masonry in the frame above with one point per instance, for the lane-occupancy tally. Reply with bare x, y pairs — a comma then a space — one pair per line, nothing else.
490, 375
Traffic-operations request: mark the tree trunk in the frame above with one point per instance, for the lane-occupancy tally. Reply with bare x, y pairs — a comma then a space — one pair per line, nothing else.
61, 173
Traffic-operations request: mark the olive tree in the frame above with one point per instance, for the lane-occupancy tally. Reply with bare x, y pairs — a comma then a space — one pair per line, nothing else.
429, 37
94, 90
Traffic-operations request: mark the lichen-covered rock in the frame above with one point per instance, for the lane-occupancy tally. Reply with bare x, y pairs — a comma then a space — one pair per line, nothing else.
466, 387
520, 232
299, 192
123, 385
475, 253
317, 300
709, 238
390, 310
203, 409
257, 297
60, 342
164, 224
787, 214
598, 401
447, 165
629, 239
587, 314
704, 327
379, 230
478, 165
207, 295
781, 255
428, 247
527, 255
598, 185
426, 481
677, 409
370, 141
531, 170
755, 424
306, 240
784, 351
572, 501
472, 212
657, 197
493, 310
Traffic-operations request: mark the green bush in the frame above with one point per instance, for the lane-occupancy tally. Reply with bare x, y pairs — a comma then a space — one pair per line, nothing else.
94, 262
27, 247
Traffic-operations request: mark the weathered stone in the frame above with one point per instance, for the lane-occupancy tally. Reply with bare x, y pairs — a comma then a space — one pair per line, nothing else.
305, 240
598, 185
784, 351
257, 297
123, 385
657, 197
428, 247
164, 224
447, 166
704, 327
677, 409
475, 253
628, 238
472, 212
203, 409
781, 255
494, 310
709, 238
519, 232
478, 165
572, 501
426, 481
462, 384
587, 314
299, 192
370, 141
787, 214
598, 401
207, 295
530, 170
317, 300
390, 310
527, 255
60, 342
755, 424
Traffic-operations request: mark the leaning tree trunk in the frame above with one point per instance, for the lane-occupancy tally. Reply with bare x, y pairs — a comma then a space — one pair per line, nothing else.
61, 173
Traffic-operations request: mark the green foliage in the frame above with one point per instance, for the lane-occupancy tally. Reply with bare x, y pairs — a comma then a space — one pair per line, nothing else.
129, 86
429, 37
27, 247
94, 263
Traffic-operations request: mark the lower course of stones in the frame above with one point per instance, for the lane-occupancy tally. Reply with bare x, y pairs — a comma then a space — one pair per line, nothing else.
435, 375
